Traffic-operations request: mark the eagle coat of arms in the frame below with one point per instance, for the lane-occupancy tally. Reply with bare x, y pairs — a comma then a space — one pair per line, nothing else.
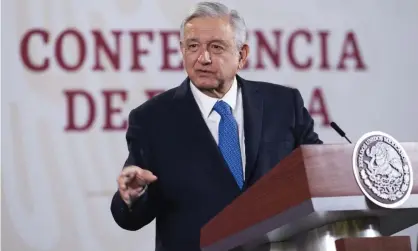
382, 169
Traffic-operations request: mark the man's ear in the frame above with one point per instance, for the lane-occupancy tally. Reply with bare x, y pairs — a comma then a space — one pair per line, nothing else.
243, 55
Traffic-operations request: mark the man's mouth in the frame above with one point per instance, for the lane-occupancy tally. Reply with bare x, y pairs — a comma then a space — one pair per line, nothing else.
204, 71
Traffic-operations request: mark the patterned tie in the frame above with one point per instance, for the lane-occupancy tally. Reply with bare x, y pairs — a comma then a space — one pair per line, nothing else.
229, 141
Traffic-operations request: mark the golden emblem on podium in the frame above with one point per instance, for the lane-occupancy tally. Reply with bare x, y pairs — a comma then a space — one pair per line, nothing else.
382, 169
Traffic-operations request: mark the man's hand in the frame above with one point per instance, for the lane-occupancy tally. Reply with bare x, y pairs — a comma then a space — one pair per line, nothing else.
132, 182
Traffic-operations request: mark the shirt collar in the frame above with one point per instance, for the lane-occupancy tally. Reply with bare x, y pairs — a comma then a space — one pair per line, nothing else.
206, 103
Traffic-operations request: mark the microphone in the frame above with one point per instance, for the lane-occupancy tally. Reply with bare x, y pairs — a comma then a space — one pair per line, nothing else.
339, 131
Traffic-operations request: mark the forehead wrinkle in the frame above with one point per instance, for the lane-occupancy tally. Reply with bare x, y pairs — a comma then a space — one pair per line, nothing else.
210, 40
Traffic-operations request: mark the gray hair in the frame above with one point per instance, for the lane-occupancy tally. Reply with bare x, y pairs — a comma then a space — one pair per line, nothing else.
215, 9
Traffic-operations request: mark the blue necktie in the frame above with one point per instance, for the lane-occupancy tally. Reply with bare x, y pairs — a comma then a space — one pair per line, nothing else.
229, 141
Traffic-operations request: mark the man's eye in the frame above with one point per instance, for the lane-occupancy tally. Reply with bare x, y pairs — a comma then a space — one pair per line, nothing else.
215, 48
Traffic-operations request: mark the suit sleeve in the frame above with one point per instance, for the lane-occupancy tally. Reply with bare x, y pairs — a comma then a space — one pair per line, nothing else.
145, 208
304, 124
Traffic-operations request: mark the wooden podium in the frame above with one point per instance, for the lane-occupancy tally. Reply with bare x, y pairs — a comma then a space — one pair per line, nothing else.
311, 201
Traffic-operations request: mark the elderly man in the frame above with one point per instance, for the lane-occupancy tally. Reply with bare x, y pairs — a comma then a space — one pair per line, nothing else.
196, 147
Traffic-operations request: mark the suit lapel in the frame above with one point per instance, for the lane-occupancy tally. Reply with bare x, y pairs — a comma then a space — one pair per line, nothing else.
253, 117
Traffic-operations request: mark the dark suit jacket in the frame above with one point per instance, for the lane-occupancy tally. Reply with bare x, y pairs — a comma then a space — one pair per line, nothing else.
168, 136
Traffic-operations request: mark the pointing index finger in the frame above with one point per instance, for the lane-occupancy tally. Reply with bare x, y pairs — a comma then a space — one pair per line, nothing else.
146, 175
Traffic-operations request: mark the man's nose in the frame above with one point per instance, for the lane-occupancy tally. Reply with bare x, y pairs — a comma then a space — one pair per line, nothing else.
204, 58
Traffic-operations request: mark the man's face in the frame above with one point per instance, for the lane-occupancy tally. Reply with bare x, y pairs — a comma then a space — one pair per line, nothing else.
210, 54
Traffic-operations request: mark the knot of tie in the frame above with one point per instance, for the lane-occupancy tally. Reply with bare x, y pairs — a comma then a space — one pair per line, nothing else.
222, 108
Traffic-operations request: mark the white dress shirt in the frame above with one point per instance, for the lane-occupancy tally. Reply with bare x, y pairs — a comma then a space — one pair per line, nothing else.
234, 99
